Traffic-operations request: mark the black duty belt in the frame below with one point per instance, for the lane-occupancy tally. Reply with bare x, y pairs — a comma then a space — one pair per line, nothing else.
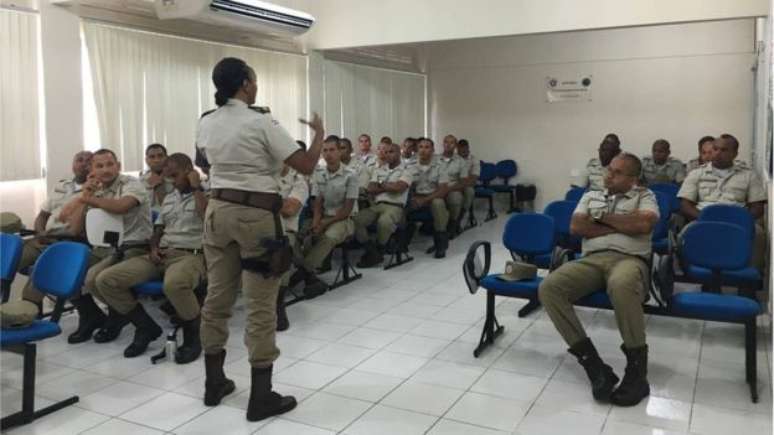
267, 201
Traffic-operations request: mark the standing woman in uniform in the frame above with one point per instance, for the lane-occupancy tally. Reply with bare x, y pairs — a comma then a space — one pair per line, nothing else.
243, 240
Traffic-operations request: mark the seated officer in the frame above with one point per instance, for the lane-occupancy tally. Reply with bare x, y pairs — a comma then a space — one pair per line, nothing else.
596, 167
453, 167
365, 155
725, 181
408, 151
616, 225
389, 186
358, 167
706, 151
48, 227
155, 181
119, 194
470, 172
294, 190
661, 168
431, 184
176, 255
335, 193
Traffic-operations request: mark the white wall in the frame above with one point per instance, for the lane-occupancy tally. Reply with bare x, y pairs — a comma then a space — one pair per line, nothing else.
678, 82
354, 23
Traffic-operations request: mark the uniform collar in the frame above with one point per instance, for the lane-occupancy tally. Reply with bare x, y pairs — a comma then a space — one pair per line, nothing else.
338, 172
630, 194
236, 102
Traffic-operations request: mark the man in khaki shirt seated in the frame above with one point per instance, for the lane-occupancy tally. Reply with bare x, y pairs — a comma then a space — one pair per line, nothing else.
706, 151
389, 187
726, 181
660, 167
155, 180
597, 166
176, 255
431, 185
616, 225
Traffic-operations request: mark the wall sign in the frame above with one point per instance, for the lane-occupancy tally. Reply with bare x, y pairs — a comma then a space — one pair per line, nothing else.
568, 89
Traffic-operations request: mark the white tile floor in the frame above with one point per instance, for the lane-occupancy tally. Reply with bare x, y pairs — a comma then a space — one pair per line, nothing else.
392, 354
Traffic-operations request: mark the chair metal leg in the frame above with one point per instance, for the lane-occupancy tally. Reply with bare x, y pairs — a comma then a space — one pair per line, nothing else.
751, 357
531, 306
472, 222
5, 287
346, 272
28, 413
491, 214
492, 328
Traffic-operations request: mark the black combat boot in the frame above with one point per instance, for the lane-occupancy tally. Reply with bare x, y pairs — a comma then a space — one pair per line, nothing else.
314, 286
90, 318
282, 315
192, 345
112, 328
146, 330
372, 256
264, 402
600, 375
216, 384
634, 386
441, 244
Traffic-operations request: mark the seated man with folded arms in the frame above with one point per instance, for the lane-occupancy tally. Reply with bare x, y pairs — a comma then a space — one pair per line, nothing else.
453, 167
48, 226
597, 166
294, 189
175, 255
389, 186
706, 151
431, 184
470, 173
118, 194
155, 180
660, 167
616, 225
334, 189
726, 181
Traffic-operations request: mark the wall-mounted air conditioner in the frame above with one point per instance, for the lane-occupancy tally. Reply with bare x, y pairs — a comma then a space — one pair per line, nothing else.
253, 15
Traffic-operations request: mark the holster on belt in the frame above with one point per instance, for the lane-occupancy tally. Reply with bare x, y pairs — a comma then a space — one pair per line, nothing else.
278, 254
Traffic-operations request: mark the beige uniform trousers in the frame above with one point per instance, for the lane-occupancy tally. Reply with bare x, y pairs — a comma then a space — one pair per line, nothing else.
454, 204
624, 277
387, 218
233, 232
182, 271
335, 234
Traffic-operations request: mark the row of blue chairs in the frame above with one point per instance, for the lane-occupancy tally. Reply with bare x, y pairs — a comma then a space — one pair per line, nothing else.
717, 252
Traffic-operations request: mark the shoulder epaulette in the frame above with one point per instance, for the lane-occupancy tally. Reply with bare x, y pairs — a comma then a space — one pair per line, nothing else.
260, 109
207, 113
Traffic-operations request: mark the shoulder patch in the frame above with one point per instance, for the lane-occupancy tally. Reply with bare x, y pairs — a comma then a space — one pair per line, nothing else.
207, 113
260, 109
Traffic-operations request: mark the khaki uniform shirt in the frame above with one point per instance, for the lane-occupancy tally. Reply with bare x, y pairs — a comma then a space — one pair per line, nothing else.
367, 159
672, 171
137, 221
245, 148
427, 178
385, 174
453, 167
695, 164
470, 166
293, 185
596, 203
64, 191
595, 174
166, 186
705, 186
362, 173
183, 226
335, 188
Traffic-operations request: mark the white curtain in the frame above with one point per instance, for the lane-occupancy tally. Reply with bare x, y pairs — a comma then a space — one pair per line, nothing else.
19, 107
153, 88
361, 99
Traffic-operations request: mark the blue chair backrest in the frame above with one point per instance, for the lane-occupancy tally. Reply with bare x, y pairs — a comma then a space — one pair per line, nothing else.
574, 194
10, 254
506, 169
561, 212
61, 268
530, 234
732, 214
488, 173
716, 245
661, 229
669, 189
154, 216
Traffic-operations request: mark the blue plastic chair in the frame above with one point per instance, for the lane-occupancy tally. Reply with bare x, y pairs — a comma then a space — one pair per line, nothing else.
59, 271
660, 238
669, 189
505, 170
574, 194
732, 214
10, 253
483, 189
562, 212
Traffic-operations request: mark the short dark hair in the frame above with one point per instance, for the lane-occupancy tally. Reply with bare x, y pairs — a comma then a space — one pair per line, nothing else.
705, 139
181, 160
463, 143
333, 138
103, 151
661, 142
155, 146
613, 138
366, 135
426, 139
346, 141
731, 139
385, 139
634, 162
